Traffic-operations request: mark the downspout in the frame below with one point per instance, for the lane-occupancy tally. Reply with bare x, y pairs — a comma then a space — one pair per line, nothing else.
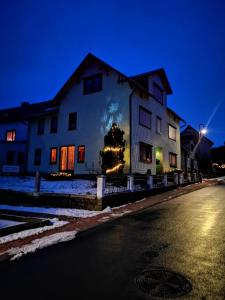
130, 121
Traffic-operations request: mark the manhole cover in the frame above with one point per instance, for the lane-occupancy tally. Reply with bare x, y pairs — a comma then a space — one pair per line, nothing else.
163, 283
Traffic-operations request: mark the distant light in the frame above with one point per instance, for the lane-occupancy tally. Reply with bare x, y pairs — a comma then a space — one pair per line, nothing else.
203, 131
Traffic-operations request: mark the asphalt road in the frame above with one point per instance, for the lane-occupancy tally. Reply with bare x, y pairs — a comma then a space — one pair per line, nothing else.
185, 235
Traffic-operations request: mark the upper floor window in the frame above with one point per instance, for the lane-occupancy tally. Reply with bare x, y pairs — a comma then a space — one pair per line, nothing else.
54, 124
53, 155
10, 135
72, 121
92, 84
145, 152
81, 154
172, 132
37, 156
41, 126
158, 125
144, 117
158, 92
173, 160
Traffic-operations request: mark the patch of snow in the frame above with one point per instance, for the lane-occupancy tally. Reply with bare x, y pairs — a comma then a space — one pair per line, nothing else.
69, 212
9, 223
41, 243
121, 214
27, 183
108, 209
29, 232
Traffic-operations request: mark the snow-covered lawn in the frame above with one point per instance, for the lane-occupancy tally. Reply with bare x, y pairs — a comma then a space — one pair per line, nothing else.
8, 223
26, 184
68, 212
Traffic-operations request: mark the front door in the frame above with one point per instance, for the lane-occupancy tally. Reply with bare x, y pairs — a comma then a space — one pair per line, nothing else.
67, 160
159, 160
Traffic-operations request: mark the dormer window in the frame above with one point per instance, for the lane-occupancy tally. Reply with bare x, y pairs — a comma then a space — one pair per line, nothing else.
10, 135
92, 84
158, 93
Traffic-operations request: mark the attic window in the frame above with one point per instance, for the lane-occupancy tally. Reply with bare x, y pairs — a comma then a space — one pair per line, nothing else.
92, 84
158, 93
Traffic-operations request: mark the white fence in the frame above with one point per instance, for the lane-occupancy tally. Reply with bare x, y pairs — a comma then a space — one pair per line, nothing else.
133, 183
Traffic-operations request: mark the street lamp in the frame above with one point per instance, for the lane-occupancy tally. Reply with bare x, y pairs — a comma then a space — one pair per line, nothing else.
202, 130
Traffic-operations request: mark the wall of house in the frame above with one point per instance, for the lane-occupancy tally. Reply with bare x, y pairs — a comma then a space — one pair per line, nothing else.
95, 114
150, 136
17, 146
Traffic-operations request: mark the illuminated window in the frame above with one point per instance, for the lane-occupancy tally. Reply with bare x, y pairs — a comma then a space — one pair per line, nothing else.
72, 121
10, 158
10, 135
145, 152
172, 132
54, 124
41, 126
92, 84
37, 156
144, 117
158, 125
81, 154
173, 159
67, 158
53, 156
158, 93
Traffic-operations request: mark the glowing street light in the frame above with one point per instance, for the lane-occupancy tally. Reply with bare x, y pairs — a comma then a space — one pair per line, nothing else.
203, 131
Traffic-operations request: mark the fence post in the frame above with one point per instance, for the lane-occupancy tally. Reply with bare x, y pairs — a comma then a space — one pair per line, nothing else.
150, 181
189, 176
165, 182
176, 179
130, 183
181, 178
100, 186
37, 186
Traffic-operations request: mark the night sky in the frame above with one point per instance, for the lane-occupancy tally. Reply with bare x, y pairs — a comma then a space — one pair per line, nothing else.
42, 42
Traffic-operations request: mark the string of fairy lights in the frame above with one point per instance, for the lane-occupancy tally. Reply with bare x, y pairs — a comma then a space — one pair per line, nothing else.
113, 149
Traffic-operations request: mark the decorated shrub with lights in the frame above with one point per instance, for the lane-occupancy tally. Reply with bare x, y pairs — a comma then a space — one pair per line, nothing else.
113, 152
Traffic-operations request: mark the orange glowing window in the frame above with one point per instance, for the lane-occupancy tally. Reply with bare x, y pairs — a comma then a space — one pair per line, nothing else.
81, 154
53, 156
67, 158
10, 135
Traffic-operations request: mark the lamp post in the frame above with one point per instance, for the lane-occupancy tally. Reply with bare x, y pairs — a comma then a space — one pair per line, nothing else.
202, 132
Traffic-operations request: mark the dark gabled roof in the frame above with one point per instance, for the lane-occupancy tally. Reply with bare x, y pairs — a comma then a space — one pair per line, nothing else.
175, 114
92, 58
196, 133
162, 74
25, 111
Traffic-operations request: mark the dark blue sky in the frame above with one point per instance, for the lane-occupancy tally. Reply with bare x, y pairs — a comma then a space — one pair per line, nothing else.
42, 42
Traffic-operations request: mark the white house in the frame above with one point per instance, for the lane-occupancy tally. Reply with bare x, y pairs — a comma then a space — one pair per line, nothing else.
69, 135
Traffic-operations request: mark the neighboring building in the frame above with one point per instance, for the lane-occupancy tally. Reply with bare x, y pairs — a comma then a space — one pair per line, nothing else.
195, 151
218, 156
68, 135
14, 136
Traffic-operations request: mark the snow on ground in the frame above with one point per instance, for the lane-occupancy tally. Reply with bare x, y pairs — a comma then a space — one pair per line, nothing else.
26, 184
68, 212
9, 223
41, 243
25, 233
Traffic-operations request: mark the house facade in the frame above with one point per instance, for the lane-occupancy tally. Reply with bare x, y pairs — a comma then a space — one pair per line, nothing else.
195, 151
14, 137
69, 134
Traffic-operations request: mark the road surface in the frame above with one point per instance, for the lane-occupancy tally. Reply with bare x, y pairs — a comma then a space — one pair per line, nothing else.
185, 235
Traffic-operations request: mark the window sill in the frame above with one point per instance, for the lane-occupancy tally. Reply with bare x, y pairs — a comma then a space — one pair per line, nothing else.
145, 162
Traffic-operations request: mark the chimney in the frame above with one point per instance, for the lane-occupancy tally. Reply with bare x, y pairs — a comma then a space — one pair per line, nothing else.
25, 104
